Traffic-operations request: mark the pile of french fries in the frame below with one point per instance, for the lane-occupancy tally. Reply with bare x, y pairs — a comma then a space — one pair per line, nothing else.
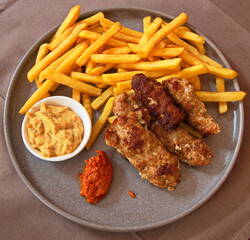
98, 58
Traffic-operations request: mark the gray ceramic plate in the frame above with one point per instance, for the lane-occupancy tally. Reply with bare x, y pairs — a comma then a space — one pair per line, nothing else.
57, 184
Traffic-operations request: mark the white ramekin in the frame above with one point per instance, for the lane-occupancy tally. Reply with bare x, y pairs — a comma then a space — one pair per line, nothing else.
77, 108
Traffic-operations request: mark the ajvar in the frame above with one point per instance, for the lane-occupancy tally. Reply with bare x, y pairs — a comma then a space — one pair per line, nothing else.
96, 177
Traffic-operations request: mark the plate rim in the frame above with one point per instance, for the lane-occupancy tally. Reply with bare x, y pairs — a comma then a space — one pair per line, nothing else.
94, 225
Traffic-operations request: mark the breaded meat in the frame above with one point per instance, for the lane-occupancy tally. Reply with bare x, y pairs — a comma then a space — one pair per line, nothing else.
159, 103
194, 152
144, 151
126, 104
197, 115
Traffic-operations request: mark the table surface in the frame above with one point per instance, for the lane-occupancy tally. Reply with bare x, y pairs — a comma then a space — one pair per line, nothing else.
226, 215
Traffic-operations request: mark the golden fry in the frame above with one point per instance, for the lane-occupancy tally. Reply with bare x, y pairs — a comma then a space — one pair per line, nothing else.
124, 85
98, 44
93, 19
98, 126
116, 77
100, 69
188, 35
90, 65
159, 52
120, 91
54, 65
52, 56
37, 96
150, 30
76, 95
195, 82
163, 32
71, 18
106, 23
111, 119
73, 83
187, 72
58, 40
152, 66
189, 58
94, 36
117, 50
42, 52
175, 39
84, 77
220, 96
220, 86
146, 23
99, 101
126, 38
69, 61
115, 58
222, 72
86, 102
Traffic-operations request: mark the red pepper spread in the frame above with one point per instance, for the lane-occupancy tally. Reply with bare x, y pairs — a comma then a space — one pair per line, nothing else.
96, 177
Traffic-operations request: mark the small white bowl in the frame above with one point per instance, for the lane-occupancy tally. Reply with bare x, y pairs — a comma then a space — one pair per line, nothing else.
77, 108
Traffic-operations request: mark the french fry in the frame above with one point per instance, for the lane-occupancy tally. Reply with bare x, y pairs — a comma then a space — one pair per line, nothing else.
100, 69
195, 82
90, 65
99, 101
220, 86
220, 96
222, 72
52, 56
73, 83
117, 77
152, 66
76, 95
146, 23
159, 52
93, 19
188, 35
120, 91
124, 85
58, 40
54, 65
111, 119
189, 58
150, 30
98, 126
175, 39
117, 50
98, 44
94, 36
163, 43
71, 18
106, 23
86, 102
42, 52
187, 72
163, 32
37, 96
126, 38
98, 29
84, 77
200, 47
69, 61
102, 85
115, 58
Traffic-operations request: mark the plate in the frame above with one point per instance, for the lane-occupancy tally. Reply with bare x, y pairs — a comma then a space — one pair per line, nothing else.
57, 184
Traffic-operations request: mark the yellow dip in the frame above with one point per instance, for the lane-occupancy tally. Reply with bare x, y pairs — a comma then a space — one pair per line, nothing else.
54, 130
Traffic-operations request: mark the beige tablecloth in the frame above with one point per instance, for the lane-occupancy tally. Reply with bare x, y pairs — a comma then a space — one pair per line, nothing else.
224, 216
